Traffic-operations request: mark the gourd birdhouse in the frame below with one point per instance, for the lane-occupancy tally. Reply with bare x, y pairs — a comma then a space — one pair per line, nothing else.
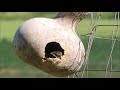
51, 45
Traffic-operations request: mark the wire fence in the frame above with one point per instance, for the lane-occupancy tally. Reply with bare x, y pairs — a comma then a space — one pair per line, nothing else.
108, 70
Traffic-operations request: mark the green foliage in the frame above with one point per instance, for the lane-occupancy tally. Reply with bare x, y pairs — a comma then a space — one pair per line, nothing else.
28, 15
24, 15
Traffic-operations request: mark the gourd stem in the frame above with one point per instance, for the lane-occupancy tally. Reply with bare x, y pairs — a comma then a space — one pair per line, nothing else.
70, 19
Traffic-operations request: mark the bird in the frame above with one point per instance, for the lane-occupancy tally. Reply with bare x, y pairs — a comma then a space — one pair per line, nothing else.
56, 54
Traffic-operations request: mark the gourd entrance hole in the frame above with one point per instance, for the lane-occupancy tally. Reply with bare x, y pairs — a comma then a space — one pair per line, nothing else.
51, 47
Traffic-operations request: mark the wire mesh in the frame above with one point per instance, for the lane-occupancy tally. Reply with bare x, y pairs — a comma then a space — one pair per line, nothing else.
108, 70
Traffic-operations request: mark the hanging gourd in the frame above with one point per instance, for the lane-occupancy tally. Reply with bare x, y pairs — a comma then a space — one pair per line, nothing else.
52, 45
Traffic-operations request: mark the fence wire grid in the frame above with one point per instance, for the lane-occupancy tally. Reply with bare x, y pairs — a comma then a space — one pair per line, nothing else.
108, 70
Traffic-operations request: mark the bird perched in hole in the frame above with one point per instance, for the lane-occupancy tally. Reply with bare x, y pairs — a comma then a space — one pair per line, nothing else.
57, 54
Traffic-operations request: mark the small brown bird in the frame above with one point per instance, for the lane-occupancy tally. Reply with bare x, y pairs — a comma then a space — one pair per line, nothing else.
56, 54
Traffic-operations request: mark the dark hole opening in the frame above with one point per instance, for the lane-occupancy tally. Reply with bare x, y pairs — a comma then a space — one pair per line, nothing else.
53, 47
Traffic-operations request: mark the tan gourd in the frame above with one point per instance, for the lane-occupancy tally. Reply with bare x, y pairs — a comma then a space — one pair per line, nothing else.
52, 45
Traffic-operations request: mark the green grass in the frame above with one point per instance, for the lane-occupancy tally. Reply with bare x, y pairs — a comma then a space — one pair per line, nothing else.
24, 15
12, 66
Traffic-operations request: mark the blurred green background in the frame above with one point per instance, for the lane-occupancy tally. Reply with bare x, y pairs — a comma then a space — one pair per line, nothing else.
11, 66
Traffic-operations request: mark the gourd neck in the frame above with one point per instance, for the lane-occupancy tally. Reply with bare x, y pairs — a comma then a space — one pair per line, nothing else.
70, 19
